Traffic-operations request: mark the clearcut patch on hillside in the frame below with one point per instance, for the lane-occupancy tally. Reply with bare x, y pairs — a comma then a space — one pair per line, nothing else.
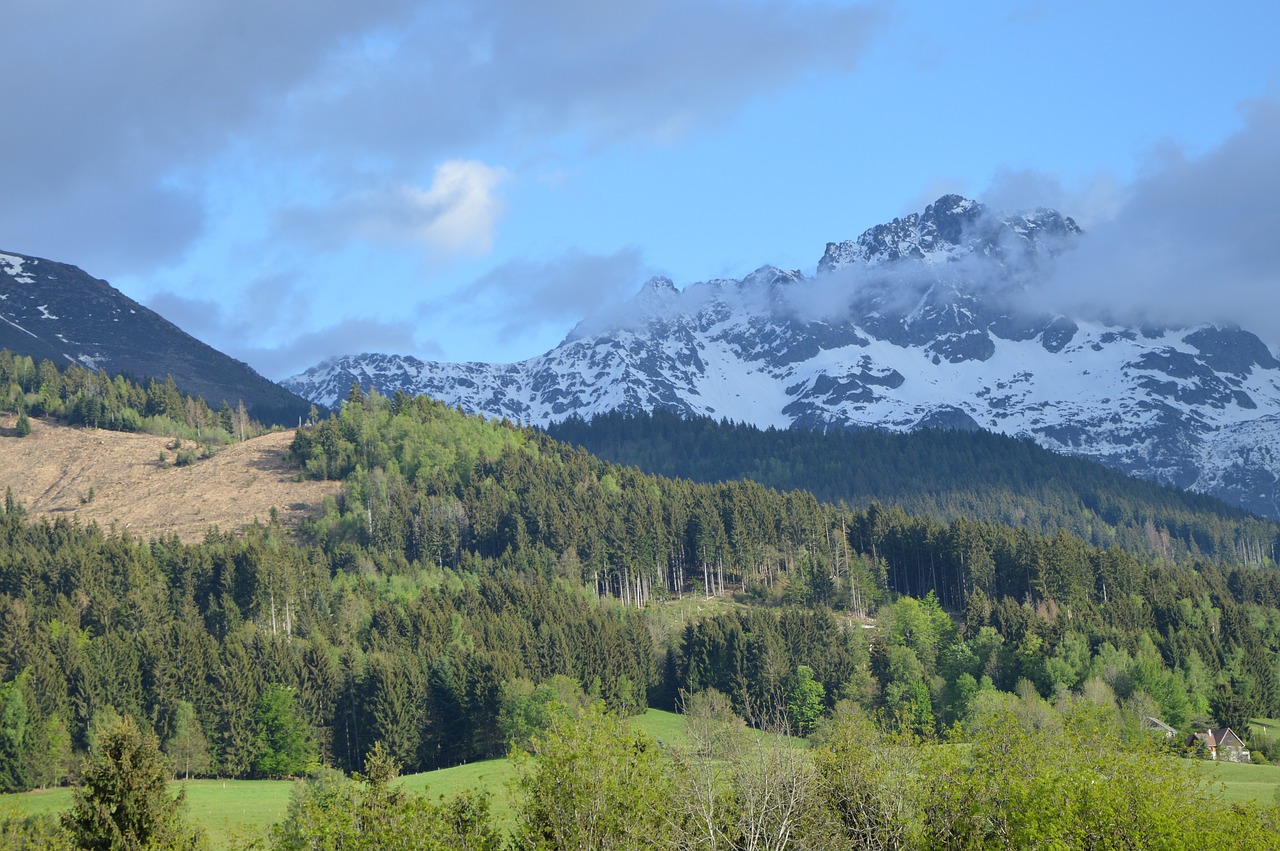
117, 480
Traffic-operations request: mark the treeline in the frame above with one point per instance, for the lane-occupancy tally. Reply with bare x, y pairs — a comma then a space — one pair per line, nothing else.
430, 484
1193, 649
1199, 638
77, 396
940, 473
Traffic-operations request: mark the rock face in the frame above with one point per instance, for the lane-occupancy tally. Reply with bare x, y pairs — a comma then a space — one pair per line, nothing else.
57, 312
926, 321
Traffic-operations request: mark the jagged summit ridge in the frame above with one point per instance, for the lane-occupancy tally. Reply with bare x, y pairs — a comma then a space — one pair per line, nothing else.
949, 229
919, 322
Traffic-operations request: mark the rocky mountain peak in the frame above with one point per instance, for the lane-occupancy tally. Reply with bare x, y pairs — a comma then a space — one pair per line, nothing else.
659, 284
925, 326
951, 228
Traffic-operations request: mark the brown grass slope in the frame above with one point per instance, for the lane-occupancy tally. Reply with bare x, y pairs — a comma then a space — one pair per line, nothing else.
117, 480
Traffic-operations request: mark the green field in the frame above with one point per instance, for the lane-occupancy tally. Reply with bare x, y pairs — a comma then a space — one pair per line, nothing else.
1242, 783
666, 727
1270, 726
233, 813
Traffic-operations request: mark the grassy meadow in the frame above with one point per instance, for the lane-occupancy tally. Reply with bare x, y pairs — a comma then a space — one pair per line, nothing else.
232, 813
1239, 783
235, 813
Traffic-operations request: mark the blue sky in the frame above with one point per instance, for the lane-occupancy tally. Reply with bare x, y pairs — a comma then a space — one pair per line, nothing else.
466, 180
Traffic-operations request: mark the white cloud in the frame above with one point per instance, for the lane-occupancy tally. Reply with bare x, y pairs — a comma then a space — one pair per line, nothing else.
460, 211
456, 215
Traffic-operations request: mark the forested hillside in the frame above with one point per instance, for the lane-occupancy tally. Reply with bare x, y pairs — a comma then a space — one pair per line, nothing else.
475, 573
77, 396
945, 474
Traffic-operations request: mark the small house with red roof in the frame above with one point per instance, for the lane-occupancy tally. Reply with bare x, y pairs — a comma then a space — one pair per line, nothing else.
1221, 744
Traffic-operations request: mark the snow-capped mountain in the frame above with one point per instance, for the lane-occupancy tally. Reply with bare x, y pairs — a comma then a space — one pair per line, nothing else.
935, 319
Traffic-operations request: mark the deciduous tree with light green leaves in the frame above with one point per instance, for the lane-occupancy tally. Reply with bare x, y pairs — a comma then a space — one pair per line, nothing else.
14, 731
330, 812
596, 784
806, 701
188, 747
1074, 782
285, 747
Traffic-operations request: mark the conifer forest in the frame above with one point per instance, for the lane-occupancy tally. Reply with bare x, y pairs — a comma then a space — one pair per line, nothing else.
481, 588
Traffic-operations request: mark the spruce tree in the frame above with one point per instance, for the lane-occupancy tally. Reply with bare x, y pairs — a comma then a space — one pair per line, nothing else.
123, 800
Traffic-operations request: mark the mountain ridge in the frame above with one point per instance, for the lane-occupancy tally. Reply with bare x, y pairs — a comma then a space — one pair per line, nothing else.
936, 318
945, 474
58, 312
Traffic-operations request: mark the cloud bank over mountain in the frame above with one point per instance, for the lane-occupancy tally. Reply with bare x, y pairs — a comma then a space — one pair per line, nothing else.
1193, 239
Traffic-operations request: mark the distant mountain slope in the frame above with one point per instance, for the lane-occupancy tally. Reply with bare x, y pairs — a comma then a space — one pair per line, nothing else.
53, 311
923, 321
945, 474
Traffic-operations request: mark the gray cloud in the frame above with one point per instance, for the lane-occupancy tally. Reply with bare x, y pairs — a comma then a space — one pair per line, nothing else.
510, 70
351, 335
116, 113
274, 308
1098, 200
269, 303
106, 103
520, 297
1195, 239
101, 225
